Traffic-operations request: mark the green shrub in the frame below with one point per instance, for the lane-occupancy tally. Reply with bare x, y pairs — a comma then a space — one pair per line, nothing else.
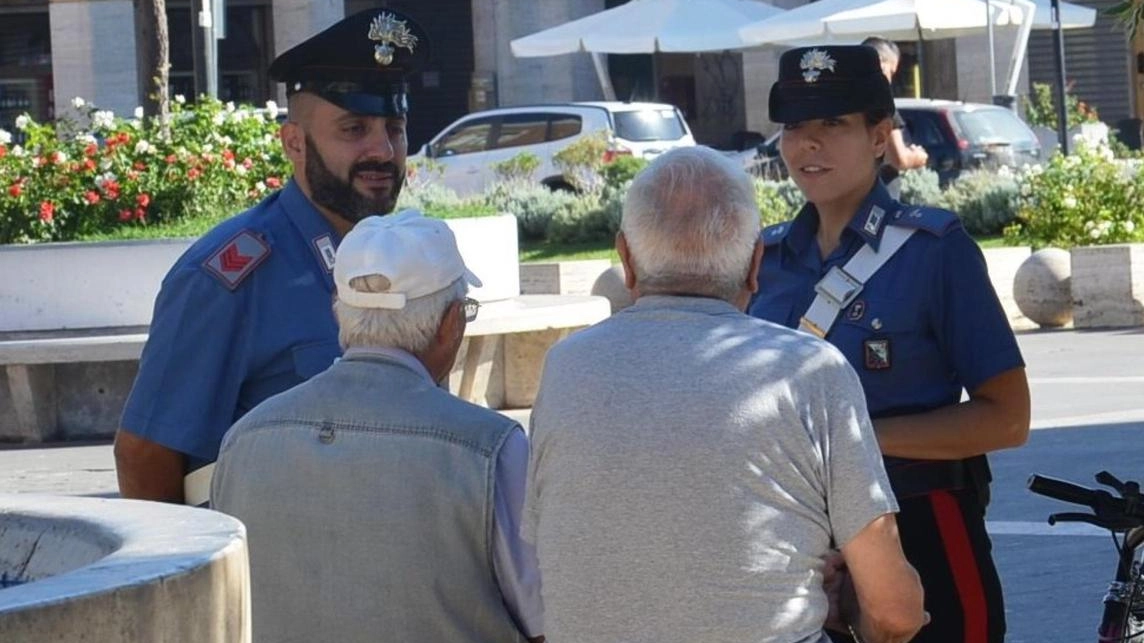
581, 161
533, 205
594, 217
517, 168
773, 207
986, 200
920, 187
620, 172
1086, 198
1040, 108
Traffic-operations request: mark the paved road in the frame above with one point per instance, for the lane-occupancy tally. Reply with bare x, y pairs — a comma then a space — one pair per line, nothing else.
1088, 409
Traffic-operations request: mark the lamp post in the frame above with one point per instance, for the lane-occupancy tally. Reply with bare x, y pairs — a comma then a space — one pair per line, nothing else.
1062, 108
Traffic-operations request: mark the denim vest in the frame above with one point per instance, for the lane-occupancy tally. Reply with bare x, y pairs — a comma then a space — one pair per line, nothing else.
367, 494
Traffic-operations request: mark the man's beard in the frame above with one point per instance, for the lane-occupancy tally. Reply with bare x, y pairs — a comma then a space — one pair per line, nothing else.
339, 196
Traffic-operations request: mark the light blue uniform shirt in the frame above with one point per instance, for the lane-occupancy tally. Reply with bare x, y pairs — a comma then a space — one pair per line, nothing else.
244, 314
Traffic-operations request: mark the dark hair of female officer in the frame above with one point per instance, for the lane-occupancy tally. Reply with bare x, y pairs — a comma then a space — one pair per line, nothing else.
835, 131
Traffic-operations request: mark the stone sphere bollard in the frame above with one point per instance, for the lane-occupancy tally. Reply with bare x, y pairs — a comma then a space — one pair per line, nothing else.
610, 284
1042, 287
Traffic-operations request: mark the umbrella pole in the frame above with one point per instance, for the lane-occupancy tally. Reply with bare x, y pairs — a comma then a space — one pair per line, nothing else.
602, 75
992, 56
918, 66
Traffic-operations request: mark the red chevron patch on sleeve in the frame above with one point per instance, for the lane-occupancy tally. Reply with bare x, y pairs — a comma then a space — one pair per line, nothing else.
237, 258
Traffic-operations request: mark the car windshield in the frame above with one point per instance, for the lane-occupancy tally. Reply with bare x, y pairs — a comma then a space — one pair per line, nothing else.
999, 125
649, 125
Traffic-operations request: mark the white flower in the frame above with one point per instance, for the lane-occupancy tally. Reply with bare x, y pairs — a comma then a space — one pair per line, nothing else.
219, 118
230, 106
102, 119
142, 147
18, 152
59, 157
240, 170
260, 186
5, 137
105, 164
23, 121
180, 99
1094, 233
139, 112
272, 110
1069, 202
208, 148
1129, 227
85, 138
78, 102
104, 178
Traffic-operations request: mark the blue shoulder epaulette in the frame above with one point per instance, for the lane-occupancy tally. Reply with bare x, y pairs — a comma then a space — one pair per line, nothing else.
773, 234
935, 221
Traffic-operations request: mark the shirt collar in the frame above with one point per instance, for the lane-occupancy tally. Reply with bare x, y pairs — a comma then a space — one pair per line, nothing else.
709, 305
389, 354
868, 222
317, 233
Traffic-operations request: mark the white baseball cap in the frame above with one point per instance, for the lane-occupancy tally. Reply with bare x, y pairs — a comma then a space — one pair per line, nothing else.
418, 256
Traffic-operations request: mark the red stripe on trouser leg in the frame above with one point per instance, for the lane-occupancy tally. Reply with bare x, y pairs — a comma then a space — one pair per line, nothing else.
962, 564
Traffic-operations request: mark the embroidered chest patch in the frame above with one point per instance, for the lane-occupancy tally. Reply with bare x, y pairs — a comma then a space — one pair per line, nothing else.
877, 354
237, 258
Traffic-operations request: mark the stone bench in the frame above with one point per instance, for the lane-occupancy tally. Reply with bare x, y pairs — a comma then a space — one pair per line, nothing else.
114, 571
74, 317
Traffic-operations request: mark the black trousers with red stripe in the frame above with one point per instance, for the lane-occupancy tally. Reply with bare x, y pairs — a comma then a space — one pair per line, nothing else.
943, 536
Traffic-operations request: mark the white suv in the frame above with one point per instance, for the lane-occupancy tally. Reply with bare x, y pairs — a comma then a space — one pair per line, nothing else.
468, 149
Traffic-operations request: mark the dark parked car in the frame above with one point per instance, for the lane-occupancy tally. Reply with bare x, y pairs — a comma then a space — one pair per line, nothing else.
961, 136
957, 136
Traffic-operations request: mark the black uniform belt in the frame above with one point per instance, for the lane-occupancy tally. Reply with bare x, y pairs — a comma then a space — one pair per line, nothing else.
918, 477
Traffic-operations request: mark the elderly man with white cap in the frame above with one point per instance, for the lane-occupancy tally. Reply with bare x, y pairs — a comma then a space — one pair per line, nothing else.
377, 505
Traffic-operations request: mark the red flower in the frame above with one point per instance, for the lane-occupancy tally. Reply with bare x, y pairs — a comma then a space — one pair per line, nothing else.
111, 189
140, 214
91, 197
89, 165
132, 175
91, 149
273, 182
3, 151
140, 165
47, 211
171, 159
143, 200
247, 163
193, 173
125, 215
227, 155
15, 189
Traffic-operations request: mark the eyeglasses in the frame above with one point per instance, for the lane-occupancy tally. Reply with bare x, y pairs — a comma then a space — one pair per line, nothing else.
471, 308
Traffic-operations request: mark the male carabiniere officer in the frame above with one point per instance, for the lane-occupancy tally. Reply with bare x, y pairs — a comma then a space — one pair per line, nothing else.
245, 312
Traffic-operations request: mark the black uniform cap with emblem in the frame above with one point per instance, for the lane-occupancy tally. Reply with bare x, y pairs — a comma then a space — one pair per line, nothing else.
359, 64
826, 81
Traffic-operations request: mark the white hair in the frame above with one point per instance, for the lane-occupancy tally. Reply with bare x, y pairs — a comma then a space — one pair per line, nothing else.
410, 328
691, 223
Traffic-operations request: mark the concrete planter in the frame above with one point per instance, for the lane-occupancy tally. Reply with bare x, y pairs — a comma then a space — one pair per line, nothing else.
1108, 286
119, 571
1003, 264
561, 277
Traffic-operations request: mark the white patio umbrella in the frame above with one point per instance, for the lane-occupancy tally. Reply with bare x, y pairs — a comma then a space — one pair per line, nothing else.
848, 21
648, 26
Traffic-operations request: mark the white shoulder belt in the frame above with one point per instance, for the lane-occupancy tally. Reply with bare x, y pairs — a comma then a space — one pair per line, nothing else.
842, 285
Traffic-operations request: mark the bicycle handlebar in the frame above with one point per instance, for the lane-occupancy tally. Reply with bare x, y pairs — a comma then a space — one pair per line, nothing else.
1062, 490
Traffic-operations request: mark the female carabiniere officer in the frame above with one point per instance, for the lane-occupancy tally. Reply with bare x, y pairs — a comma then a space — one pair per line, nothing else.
903, 292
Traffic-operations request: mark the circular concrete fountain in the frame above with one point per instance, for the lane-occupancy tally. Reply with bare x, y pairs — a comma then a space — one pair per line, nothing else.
113, 571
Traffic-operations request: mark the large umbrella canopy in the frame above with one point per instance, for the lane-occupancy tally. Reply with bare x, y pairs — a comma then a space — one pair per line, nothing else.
647, 26
852, 20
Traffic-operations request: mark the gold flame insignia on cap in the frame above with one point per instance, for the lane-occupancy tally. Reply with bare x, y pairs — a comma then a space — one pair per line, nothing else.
813, 63
391, 33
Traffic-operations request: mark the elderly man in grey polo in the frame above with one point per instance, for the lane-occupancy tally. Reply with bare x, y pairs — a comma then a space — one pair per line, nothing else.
377, 505
692, 466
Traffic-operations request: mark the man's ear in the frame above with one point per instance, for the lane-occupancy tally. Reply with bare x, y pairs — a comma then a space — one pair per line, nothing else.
451, 323
626, 260
293, 139
756, 261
